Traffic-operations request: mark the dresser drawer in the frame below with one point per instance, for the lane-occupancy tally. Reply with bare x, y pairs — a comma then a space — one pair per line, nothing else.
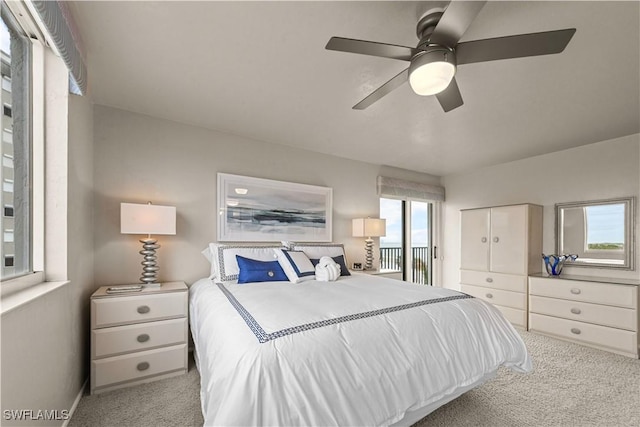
498, 297
129, 367
136, 309
507, 282
575, 290
514, 316
617, 317
142, 336
601, 336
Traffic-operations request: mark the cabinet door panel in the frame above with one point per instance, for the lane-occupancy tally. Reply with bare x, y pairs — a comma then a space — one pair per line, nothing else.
508, 240
475, 239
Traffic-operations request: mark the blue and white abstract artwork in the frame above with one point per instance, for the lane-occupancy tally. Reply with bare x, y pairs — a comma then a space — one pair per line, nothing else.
262, 210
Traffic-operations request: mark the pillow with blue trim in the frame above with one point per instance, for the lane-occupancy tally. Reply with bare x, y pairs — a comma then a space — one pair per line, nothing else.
296, 265
252, 270
344, 271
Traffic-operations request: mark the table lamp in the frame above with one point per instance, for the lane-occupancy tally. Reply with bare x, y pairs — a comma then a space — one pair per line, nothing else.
369, 227
148, 219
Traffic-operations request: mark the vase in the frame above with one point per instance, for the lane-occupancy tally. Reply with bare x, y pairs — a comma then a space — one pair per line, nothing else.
555, 263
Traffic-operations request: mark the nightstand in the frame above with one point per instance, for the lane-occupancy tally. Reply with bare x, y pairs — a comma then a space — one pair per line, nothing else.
138, 337
384, 273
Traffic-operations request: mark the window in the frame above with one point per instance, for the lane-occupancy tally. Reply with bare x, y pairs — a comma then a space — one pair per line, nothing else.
407, 247
605, 227
16, 148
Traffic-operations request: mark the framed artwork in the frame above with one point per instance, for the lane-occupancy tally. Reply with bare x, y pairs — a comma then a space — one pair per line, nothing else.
264, 210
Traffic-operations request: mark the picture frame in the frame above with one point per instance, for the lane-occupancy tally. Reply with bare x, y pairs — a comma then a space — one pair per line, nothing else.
264, 210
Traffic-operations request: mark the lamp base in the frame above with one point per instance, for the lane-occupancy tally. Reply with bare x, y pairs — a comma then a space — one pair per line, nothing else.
368, 247
149, 265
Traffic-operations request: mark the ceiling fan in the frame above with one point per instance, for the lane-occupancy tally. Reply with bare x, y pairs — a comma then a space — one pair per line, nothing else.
433, 62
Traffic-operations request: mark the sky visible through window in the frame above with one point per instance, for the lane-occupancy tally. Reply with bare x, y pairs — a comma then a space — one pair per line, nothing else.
605, 224
391, 210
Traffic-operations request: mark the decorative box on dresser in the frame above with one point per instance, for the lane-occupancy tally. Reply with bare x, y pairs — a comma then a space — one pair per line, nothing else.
597, 312
500, 247
138, 337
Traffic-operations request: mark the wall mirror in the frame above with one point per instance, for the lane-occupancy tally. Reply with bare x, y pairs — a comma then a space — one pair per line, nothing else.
600, 232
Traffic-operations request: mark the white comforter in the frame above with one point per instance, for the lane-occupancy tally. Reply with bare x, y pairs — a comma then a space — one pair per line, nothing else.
368, 371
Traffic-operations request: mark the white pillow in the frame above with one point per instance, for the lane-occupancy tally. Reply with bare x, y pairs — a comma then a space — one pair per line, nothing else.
317, 251
296, 265
208, 254
224, 265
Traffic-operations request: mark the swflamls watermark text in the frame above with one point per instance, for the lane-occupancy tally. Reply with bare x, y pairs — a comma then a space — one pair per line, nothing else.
35, 414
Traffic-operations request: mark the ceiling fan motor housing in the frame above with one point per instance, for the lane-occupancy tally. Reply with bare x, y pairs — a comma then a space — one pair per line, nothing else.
431, 71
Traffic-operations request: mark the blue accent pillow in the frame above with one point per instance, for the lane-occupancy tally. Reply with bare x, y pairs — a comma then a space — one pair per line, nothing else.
252, 270
344, 271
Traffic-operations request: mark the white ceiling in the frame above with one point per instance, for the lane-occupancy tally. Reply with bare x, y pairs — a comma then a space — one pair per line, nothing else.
260, 70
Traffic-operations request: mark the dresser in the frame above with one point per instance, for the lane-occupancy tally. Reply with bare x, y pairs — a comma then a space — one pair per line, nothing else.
500, 247
596, 312
138, 337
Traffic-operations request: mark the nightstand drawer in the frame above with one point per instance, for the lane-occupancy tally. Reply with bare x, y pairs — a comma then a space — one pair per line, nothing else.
617, 317
575, 290
136, 309
498, 297
119, 369
507, 282
138, 337
601, 336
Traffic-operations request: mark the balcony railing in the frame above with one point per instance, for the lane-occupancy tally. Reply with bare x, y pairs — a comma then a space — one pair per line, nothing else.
391, 259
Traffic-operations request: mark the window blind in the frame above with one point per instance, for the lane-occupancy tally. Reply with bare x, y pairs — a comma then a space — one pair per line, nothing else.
395, 187
59, 25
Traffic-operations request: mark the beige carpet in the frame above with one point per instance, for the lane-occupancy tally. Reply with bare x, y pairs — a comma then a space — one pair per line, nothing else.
571, 385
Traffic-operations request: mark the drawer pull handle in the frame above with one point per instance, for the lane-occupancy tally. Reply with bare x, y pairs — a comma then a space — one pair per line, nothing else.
489, 295
483, 240
575, 291
143, 309
142, 366
489, 280
576, 311
575, 331
143, 338
496, 239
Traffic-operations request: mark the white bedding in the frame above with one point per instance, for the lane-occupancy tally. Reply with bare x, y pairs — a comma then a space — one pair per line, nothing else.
375, 369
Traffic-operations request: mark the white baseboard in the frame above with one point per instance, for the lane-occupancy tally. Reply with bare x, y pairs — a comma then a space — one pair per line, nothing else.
75, 403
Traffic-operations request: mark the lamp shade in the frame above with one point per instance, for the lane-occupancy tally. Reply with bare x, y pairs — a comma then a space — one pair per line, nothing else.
369, 227
147, 219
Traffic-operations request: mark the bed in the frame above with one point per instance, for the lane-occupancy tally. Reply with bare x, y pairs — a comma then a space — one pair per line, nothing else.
361, 350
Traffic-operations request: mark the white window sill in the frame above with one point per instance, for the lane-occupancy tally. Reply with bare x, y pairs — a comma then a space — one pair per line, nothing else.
18, 292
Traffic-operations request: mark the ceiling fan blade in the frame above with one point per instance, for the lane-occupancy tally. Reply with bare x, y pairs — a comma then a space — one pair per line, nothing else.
450, 98
454, 22
364, 47
383, 90
519, 46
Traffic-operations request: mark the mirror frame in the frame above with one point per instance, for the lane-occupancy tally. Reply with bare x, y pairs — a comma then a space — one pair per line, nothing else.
629, 232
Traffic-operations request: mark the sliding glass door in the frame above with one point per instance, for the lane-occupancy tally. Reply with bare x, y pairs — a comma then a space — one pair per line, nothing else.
407, 247
420, 242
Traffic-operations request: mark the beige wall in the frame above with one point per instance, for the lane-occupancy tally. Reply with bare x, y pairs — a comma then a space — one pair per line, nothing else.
140, 158
45, 341
598, 171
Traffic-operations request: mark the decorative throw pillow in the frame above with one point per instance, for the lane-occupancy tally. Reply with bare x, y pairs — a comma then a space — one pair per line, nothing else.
224, 265
316, 251
344, 271
296, 265
252, 270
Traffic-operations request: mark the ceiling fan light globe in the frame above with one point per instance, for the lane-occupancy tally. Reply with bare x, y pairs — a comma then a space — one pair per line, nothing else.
432, 72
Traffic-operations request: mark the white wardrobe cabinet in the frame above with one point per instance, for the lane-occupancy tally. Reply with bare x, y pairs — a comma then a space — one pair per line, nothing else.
500, 247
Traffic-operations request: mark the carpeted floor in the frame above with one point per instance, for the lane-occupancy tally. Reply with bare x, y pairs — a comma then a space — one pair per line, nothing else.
571, 385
